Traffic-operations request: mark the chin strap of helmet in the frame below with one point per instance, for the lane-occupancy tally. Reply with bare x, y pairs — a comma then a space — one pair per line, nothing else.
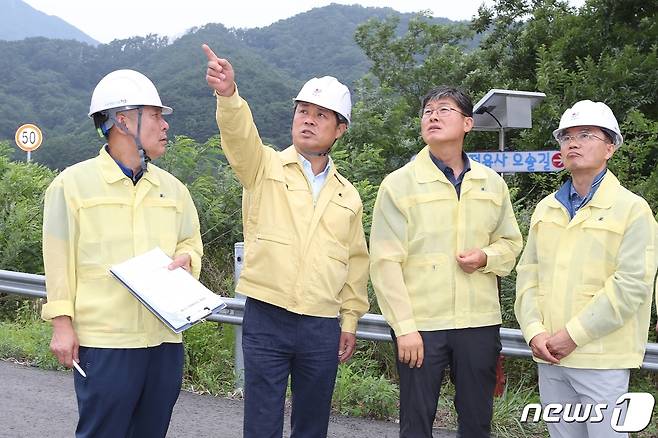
324, 154
143, 157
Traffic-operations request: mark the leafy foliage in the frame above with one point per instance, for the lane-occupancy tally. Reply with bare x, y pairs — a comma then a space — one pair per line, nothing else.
217, 196
49, 82
540, 45
22, 186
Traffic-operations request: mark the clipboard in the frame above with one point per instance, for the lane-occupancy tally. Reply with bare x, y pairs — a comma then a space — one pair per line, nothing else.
174, 296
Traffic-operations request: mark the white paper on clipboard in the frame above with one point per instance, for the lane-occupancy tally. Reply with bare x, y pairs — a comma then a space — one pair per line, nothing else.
174, 296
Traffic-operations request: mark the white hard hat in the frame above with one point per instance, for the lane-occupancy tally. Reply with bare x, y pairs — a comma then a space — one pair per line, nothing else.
588, 113
125, 88
328, 93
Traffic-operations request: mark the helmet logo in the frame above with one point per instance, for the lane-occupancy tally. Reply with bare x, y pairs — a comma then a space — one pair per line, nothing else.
317, 91
574, 115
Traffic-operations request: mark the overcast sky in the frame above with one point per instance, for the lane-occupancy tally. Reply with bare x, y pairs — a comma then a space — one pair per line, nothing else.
118, 19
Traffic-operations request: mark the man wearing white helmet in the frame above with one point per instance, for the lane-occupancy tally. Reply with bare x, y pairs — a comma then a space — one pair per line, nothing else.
306, 261
584, 284
101, 212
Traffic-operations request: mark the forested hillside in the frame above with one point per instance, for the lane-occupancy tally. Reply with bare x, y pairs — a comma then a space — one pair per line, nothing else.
49, 82
321, 41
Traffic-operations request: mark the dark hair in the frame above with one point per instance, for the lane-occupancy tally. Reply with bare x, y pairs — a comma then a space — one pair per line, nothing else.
341, 118
609, 134
460, 97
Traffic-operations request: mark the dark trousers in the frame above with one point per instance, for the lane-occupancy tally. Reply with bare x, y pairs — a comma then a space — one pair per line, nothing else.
471, 354
277, 344
128, 392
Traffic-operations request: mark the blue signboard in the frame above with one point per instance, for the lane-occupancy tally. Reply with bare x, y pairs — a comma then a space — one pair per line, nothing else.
521, 161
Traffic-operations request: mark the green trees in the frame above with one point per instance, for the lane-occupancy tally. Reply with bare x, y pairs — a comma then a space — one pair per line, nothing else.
603, 51
22, 186
217, 197
542, 45
49, 82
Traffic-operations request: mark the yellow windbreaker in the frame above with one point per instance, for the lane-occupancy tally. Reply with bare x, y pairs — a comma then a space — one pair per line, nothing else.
94, 218
592, 274
310, 260
418, 228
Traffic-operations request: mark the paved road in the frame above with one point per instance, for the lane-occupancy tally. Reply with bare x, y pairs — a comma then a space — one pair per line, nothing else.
38, 403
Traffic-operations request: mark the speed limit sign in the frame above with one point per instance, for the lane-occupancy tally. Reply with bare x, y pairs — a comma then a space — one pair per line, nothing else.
28, 137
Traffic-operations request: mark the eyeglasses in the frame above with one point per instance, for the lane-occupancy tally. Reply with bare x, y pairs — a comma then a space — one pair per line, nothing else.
442, 111
580, 138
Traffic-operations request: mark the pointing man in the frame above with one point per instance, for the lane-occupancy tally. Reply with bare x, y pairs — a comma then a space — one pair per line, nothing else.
306, 262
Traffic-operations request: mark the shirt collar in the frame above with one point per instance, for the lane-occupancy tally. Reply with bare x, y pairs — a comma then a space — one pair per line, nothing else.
426, 171
126, 170
112, 172
308, 168
595, 185
603, 198
444, 167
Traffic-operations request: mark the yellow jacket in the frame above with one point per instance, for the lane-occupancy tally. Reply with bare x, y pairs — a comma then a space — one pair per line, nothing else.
419, 226
310, 260
94, 218
592, 274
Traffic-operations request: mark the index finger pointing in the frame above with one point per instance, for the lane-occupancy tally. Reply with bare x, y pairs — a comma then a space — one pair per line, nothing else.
209, 53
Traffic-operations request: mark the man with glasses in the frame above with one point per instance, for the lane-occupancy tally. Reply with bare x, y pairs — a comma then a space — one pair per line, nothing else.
584, 283
443, 228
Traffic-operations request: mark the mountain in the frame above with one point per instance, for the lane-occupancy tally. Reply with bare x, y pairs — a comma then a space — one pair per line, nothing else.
49, 81
320, 41
19, 20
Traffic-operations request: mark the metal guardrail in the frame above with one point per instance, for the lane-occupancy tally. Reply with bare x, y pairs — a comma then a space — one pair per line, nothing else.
371, 326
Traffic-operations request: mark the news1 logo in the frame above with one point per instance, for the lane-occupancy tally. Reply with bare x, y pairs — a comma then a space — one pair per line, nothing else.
639, 408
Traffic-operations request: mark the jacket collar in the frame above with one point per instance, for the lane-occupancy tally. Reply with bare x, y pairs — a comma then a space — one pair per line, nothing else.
290, 156
604, 196
112, 172
426, 171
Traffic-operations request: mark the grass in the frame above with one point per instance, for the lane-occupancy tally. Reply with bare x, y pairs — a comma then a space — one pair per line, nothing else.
363, 391
365, 387
209, 362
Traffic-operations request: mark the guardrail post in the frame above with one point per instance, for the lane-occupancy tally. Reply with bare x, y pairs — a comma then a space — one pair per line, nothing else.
239, 358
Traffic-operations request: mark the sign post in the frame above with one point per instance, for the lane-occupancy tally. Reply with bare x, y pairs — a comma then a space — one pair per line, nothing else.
28, 137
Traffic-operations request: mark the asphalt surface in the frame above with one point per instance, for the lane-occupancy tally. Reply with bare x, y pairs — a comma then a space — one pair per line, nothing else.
39, 403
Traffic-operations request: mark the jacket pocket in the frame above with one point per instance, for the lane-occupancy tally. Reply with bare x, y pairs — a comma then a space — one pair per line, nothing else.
483, 210
333, 270
104, 305
602, 231
338, 219
105, 227
162, 219
269, 262
434, 214
582, 296
599, 242
429, 282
